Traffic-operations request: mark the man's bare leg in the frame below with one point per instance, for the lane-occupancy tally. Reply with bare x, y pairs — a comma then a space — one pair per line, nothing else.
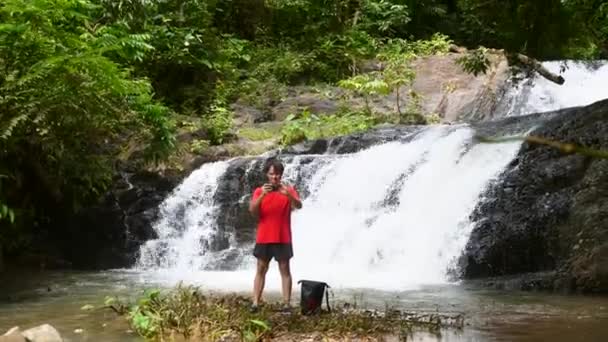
285, 280
260, 279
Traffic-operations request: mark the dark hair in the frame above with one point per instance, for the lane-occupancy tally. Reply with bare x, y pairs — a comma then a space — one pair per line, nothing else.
275, 164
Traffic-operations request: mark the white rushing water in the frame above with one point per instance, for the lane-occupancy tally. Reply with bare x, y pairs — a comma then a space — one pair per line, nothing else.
390, 217
187, 221
586, 82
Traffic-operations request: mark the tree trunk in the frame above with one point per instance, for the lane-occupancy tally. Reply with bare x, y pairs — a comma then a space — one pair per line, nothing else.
538, 67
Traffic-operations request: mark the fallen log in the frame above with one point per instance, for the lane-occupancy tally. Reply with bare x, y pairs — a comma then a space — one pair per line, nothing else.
538, 67
519, 58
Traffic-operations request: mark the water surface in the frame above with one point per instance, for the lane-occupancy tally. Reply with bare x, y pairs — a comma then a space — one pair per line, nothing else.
57, 297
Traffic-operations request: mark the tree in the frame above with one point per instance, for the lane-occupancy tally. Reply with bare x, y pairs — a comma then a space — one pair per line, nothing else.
67, 107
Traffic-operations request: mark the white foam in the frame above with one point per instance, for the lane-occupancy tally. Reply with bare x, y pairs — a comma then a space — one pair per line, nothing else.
584, 84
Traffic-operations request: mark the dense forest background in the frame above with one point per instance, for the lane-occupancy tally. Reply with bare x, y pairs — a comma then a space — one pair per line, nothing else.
84, 82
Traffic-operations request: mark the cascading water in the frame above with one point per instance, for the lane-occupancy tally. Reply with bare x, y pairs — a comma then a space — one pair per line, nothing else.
585, 83
395, 215
187, 223
389, 217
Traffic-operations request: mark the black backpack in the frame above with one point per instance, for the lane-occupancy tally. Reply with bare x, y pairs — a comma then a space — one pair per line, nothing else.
312, 296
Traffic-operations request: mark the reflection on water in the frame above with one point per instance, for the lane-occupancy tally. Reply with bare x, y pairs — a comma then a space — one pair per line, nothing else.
56, 298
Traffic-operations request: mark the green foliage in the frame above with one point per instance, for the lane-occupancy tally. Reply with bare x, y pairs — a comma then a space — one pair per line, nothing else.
438, 43
66, 104
255, 329
306, 126
7, 213
218, 124
181, 310
396, 56
255, 134
281, 63
153, 313
475, 61
385, 17
548, 29
185, 46
337, 54
367, 85
197, 146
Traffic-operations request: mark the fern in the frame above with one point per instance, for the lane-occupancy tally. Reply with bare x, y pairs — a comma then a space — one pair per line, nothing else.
65, 94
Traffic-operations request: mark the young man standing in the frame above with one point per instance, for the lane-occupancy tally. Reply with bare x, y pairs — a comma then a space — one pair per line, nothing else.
272, 204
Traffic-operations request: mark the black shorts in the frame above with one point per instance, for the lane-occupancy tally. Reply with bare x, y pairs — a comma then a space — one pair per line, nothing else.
278, 251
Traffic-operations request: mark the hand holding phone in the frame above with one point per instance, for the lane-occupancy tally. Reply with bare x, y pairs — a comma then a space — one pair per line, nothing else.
268, 188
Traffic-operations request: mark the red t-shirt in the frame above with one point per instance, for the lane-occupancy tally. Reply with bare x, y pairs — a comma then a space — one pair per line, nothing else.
274, 220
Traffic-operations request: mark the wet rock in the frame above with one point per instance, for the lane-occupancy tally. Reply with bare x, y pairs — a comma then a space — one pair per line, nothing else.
454, 94
234, 193
549, 211
318, 146
244, 114
13, 335
41, 333
314, 103
109, 234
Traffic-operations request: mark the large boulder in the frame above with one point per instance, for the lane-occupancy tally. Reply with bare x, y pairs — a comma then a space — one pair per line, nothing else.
452, 93
442, 87
549, 211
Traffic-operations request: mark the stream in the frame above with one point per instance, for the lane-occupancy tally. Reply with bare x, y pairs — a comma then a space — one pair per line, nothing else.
490, 315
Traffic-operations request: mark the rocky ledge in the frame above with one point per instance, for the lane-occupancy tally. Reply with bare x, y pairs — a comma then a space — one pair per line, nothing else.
548, 214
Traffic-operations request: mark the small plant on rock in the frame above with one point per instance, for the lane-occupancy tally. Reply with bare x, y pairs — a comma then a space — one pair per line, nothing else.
475, 62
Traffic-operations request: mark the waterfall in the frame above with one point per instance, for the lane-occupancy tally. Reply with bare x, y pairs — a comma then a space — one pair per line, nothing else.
186, 225
392, 216
585, 83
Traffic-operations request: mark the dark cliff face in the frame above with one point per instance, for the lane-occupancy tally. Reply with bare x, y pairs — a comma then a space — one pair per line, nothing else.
109, 235
549, 211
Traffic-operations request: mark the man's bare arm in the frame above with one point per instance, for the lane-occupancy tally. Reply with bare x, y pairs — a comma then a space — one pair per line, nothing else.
254, 206
295, 203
